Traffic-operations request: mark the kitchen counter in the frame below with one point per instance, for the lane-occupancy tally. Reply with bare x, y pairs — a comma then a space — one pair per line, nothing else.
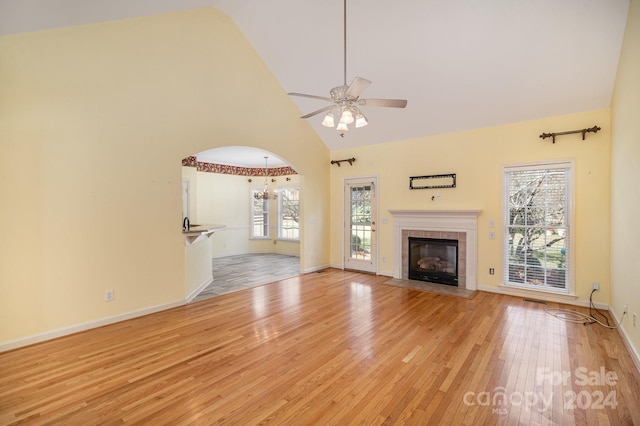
198, 232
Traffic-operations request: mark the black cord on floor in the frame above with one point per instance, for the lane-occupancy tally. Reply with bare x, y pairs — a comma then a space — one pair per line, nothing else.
592, 306
577, 317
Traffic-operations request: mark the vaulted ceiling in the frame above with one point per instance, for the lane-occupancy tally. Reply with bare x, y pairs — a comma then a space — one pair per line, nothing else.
461, 64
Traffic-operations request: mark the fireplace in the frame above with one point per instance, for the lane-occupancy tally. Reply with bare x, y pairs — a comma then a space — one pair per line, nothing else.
433, 260
460, 225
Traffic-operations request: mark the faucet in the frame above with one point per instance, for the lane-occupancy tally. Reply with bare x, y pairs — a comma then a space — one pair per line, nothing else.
185, 224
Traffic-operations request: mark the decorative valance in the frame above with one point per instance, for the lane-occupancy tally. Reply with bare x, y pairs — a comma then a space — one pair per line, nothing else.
192, 161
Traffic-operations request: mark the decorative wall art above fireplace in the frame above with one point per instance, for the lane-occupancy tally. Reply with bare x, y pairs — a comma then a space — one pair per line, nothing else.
433, 181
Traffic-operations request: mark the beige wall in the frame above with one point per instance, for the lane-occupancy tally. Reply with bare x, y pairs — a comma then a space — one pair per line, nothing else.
625, 176
225, 199
94, 121
477, 158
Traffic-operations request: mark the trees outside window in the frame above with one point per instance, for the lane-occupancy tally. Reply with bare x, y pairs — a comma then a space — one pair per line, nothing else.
289, 213
537, 226
259, 216
360, 218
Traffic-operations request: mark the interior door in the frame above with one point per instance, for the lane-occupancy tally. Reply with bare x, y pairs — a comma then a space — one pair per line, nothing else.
360, 238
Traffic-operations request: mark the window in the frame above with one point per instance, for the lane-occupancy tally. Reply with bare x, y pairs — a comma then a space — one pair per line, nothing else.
289, 213
537, 226
259, 216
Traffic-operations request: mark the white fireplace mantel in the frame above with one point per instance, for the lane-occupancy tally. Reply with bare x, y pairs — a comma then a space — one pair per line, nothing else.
438, 220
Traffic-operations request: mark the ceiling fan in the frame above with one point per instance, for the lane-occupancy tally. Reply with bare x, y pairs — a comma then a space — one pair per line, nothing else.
345, 99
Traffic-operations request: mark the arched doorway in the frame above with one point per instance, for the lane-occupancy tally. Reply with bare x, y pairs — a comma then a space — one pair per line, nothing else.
257, 201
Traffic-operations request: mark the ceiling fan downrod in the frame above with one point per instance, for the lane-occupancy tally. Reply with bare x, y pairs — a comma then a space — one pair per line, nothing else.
345, 42
346, 98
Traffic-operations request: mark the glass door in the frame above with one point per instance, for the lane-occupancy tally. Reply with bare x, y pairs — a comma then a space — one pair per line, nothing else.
360, 225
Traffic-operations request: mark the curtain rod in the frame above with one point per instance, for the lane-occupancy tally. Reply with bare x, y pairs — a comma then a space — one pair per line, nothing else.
349, 160
593, 129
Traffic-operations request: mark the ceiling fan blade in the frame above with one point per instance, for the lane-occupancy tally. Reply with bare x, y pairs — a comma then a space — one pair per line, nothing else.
311, 114
357, 86
304, 95
392, 103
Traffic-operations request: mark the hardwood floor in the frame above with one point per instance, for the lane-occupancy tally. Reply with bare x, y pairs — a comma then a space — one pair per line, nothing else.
335, 347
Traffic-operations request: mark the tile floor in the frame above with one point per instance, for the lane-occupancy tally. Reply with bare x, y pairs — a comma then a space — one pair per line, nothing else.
232, 273
437, 288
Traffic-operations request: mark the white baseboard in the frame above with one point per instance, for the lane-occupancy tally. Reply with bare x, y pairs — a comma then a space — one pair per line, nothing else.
635, 356
26, 341
539, 295
199, 289
240, 253
315, 269
232, 253
379, 273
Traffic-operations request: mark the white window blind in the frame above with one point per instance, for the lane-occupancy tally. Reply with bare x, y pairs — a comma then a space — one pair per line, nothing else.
537, 227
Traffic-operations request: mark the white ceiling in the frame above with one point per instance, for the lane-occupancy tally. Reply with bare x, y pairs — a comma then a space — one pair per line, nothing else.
244, 156
461, 64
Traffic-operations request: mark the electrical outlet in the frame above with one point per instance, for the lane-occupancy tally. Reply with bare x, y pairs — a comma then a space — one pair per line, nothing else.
384, 259
491, 271
626, 307
108, 295
492, 235
635, 317
596, 286
492, 223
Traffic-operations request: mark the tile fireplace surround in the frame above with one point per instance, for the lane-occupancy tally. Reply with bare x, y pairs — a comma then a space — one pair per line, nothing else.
461, 225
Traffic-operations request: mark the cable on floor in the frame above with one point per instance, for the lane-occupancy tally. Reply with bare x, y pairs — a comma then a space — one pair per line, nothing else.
580, 318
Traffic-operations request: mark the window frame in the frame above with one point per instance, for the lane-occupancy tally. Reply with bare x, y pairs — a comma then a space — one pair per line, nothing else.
266, 212
281, 189
570, 190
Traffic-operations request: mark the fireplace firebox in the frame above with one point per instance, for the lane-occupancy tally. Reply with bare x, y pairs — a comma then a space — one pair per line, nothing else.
433, 260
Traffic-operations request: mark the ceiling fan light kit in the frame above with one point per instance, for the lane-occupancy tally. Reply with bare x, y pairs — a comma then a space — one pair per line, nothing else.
361, 120
328, 120
347, 117
347, 98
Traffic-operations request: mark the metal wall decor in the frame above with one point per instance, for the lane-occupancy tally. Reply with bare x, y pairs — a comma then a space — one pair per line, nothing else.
433, 181
593, 129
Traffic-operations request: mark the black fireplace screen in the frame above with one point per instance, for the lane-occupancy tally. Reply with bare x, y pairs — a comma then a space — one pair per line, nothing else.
433, 260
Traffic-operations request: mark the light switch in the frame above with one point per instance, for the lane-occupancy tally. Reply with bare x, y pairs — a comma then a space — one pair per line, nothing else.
492, 235
492, 223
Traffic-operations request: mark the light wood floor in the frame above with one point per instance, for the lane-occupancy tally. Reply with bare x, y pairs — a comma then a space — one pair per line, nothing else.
326, 348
